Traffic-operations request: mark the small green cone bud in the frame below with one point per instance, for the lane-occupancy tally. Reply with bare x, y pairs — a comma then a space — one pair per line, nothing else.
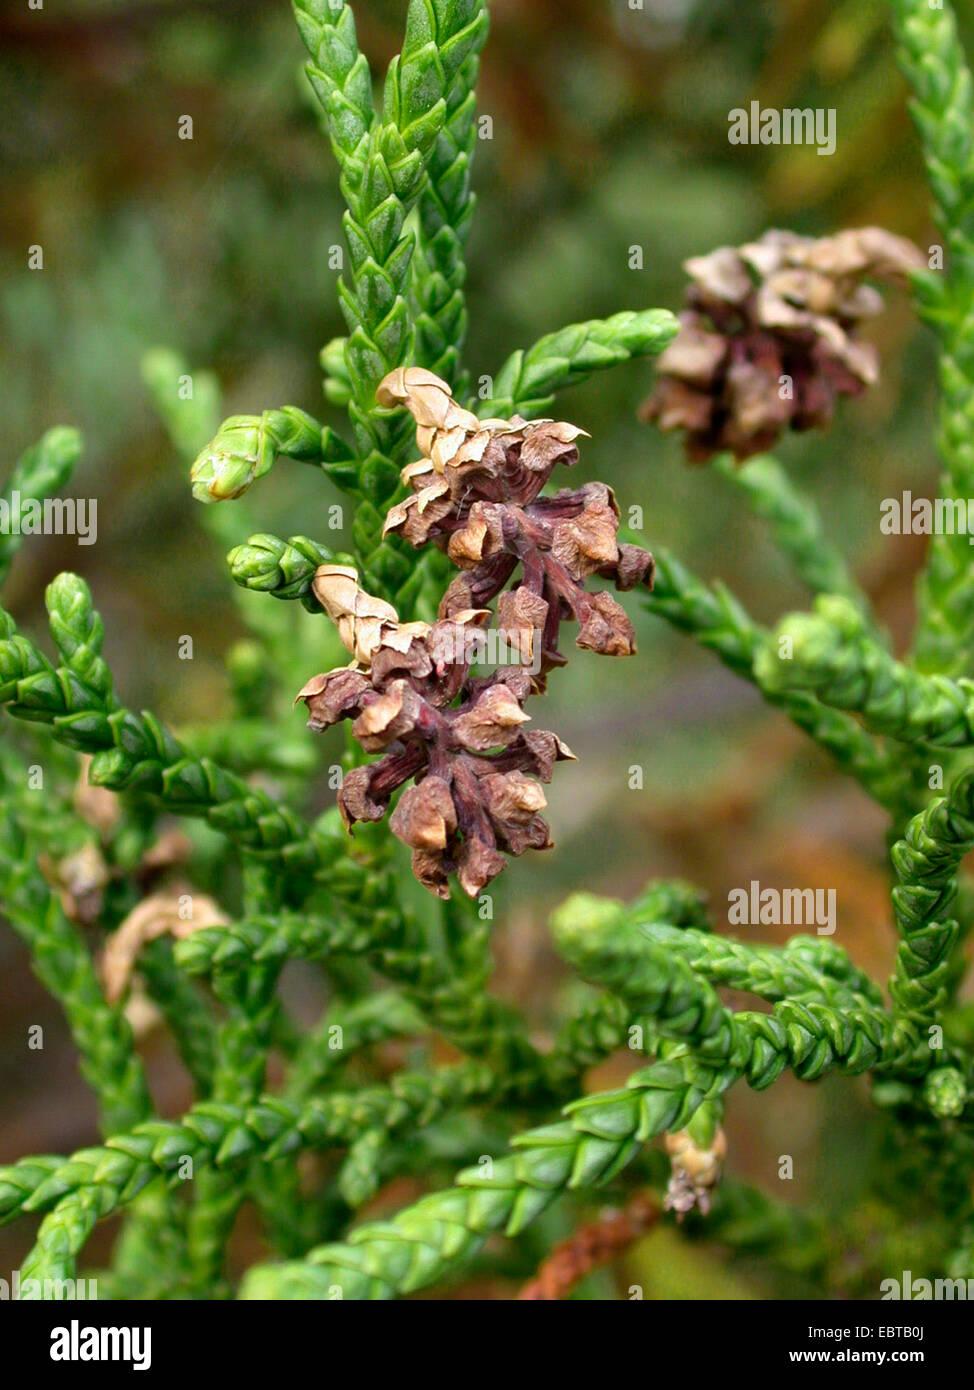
804, 644
239, 454
581, 916
281, 568
245, 447
945, 1091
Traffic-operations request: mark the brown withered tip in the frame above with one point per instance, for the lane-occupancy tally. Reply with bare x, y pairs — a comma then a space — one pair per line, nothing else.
769, 338
177, 912
80, 879
695, 1171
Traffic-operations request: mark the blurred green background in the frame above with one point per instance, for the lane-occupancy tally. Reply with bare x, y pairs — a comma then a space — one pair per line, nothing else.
609, 129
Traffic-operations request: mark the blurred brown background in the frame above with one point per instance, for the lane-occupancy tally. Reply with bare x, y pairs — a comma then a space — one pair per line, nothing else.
609, 129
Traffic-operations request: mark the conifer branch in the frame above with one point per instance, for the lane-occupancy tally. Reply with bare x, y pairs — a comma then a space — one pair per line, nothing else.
134, 751
437, 759
340, 78
283, 569
41, 471
246, 447
831, 655
95, 1182
598, 1137
932, 60
381, 187
445, 210
926, 862
527, 382
63, 963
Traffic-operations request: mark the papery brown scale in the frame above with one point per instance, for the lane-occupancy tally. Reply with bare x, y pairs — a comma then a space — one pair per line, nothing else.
492, 721
517, 839
477, 587
755, 401
432, 872
521, 616
534, 751
694, 355
425, 816
586, 543
721, 275
549, 444
355, 800
676, 406
332, 696
606, 628
388, 663
544, 749
477, 865
389, 717
469, 545
634, 566
512, 797
359, 616
449, 639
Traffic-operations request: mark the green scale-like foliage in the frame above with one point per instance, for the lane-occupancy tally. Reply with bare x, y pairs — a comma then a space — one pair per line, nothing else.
515, 1113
